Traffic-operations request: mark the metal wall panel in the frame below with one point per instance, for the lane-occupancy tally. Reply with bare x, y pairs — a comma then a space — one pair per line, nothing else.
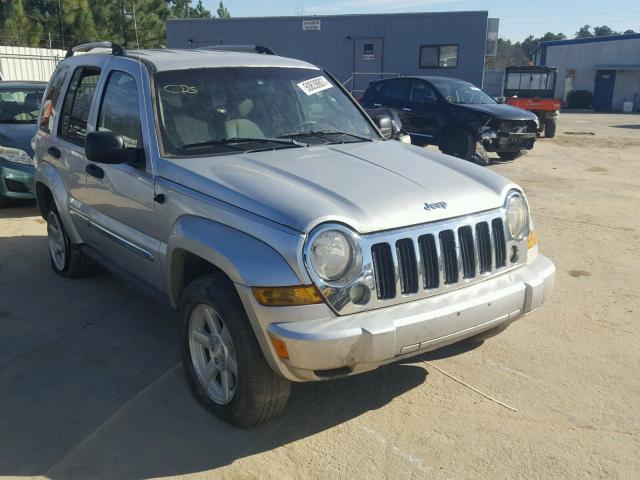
332, 47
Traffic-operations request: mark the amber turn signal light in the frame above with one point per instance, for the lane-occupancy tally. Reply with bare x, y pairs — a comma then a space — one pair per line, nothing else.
280, 347
287, 296
533, 239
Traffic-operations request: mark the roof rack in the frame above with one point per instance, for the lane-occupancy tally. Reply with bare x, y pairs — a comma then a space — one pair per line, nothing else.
241, 48
116, 49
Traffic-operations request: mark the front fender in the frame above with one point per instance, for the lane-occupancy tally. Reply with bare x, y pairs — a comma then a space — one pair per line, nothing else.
245, 259
47, 175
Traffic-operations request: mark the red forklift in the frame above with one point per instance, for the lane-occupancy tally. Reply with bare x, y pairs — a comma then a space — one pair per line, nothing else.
532, 88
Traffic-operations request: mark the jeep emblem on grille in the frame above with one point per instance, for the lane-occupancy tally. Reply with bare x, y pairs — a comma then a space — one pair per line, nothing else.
434, 205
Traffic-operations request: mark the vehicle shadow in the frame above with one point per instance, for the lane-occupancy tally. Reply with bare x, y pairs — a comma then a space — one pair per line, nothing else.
632, 127
91, 383
19, 209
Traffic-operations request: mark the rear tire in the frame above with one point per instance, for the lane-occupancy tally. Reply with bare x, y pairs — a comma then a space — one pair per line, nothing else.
67, 259
550, 128
223, 363
458, 143
509, 156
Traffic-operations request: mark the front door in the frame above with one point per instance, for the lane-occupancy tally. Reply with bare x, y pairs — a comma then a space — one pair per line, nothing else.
420, 114
603, 91
367, 63
121, 197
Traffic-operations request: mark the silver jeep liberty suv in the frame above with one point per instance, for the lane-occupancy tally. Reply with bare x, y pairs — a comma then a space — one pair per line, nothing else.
253, 194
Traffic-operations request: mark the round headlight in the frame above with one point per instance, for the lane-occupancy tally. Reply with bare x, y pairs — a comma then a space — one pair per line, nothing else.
517, 217
331, 254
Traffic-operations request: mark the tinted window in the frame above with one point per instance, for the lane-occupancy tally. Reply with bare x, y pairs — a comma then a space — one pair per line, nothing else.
439, 56
420, 91
448, 56
119, 110
429, 57
397, 89
77, 103
20, 105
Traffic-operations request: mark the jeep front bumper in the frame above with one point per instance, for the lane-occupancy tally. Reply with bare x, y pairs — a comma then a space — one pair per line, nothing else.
328, 345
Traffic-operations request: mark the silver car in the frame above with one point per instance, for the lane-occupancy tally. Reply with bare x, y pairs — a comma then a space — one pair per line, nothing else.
255, 196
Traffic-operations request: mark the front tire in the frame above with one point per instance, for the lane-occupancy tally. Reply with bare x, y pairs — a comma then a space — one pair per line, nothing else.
224, 366
509, 156
458, 143
67, 259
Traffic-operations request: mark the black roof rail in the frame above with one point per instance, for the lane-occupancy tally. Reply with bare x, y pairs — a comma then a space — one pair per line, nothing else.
241, 48
116, 49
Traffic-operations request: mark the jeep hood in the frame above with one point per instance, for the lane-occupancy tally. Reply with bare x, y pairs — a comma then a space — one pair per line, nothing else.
370, 186
501, 111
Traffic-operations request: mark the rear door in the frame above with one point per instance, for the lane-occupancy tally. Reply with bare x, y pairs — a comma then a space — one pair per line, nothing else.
121, 197
67, 152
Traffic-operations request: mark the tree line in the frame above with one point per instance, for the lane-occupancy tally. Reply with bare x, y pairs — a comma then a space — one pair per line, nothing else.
62, 23
519, 53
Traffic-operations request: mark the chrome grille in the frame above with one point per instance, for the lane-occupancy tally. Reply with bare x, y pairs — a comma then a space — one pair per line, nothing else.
444, 258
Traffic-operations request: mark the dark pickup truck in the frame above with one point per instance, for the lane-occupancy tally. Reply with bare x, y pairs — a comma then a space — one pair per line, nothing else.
455, 115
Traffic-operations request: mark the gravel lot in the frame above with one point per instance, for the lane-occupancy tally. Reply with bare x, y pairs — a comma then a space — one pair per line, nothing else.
91, 385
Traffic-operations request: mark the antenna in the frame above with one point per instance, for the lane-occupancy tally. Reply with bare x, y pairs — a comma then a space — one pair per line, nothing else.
143, 86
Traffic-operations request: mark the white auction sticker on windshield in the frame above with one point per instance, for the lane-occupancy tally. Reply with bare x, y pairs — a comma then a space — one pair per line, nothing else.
314, 85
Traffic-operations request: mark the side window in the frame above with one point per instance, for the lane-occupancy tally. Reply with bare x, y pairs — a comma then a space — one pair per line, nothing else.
48, 113
77, 103
397, 89
119, 108
420, 91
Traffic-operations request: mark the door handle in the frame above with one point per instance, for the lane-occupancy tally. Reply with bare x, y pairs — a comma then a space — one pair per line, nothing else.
377, 105
405, 109
54, 152
94, 170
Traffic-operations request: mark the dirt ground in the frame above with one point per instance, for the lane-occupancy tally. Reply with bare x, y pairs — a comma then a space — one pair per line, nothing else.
91, 385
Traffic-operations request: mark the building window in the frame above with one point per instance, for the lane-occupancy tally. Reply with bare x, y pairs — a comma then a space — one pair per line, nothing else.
438, 56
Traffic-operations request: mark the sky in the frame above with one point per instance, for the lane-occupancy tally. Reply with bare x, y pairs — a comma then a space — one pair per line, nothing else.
517, 19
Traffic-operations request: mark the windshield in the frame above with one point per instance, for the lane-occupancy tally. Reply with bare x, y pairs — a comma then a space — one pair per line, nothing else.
201, 111
20, 105
455, 91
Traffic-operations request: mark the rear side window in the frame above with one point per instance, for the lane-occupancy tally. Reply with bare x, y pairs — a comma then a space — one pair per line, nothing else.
48, 114
77, 103
397, 89
420, 91
119, 109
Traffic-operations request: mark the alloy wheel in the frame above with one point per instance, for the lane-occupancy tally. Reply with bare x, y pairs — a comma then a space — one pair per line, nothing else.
213, 354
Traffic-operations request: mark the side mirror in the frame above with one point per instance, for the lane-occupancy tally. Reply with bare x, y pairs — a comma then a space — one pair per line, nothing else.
105, 147
384, 124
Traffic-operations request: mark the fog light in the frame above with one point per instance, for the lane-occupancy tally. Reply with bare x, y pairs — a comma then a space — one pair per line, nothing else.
515, 254
359, 294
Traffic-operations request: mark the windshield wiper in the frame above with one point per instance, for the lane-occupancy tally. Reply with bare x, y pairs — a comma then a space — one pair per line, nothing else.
233, 142
320, 133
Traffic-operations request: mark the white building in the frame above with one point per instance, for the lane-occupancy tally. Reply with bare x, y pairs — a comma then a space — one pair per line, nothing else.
609, 67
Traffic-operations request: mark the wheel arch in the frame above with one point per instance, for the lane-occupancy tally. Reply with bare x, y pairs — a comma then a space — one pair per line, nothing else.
198, 246
50, 190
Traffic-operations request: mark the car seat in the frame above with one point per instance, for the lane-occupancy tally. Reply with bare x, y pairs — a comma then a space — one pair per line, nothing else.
180, 121
243, 127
